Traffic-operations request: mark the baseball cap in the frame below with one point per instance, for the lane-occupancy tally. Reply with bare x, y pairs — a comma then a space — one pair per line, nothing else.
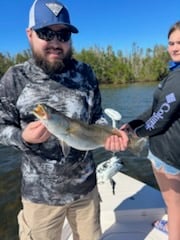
44, 13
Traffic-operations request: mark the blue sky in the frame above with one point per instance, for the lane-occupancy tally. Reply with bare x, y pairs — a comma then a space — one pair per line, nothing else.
118, 23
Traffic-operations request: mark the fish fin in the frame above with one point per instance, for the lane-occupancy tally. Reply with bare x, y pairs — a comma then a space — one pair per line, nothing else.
137, 145
65, 148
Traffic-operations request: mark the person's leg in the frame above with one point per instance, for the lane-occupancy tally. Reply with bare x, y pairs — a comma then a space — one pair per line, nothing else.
170, 189
40, 221
84, 217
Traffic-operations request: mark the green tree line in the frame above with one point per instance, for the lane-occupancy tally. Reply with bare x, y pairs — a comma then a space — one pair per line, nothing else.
141, 65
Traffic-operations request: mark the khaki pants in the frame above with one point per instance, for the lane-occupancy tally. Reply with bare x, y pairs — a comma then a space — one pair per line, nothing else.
45, 222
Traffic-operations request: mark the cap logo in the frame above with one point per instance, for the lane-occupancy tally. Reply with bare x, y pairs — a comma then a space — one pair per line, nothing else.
55, 8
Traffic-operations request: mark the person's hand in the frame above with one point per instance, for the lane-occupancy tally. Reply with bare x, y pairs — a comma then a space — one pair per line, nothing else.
35, 132
115, 143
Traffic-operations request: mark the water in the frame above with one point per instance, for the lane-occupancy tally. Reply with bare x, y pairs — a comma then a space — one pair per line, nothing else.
9, 192
129, 101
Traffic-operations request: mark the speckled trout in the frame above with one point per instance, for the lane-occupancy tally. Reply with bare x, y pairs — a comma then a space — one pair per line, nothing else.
73, 132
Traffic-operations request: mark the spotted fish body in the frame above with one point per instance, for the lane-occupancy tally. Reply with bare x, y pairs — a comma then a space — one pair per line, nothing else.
72, 132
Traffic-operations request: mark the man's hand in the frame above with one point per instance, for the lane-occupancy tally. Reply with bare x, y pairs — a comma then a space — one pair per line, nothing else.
115, 143
35, 132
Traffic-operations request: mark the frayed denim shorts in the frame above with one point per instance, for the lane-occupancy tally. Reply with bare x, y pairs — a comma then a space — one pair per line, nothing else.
158, 164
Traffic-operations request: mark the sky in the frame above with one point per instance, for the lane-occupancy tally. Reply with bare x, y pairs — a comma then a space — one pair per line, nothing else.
101, 23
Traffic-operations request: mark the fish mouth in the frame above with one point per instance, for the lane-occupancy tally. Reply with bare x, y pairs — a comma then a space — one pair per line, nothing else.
40, 112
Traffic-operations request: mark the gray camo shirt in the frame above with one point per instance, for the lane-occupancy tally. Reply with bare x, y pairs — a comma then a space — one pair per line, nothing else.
47, 176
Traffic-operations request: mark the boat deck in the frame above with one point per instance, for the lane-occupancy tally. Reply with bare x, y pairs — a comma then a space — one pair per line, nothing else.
129, 214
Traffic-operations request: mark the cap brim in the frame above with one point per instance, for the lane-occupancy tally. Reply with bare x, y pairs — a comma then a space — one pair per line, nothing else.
72, 28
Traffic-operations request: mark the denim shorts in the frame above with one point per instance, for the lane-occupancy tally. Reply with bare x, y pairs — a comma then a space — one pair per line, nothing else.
158, 164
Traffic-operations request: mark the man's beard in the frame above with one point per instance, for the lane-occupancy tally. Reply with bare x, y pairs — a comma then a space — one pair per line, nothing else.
55, 67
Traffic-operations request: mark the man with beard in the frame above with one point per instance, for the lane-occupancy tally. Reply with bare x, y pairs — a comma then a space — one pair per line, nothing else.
54, 186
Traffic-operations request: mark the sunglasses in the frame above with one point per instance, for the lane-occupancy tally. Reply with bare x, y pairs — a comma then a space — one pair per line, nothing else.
47, 34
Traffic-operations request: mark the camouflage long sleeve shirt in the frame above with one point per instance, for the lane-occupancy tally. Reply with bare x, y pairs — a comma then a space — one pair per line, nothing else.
47, 176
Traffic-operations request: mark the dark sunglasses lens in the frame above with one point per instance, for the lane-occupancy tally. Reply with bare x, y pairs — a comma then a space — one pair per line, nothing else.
45, 34
63, 35
48, 35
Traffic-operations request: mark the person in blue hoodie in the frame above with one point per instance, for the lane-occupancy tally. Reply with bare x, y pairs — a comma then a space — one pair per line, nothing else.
161, 124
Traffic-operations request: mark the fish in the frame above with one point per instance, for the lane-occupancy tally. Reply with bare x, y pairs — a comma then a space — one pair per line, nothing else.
107, 169
73, 132
136, 145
